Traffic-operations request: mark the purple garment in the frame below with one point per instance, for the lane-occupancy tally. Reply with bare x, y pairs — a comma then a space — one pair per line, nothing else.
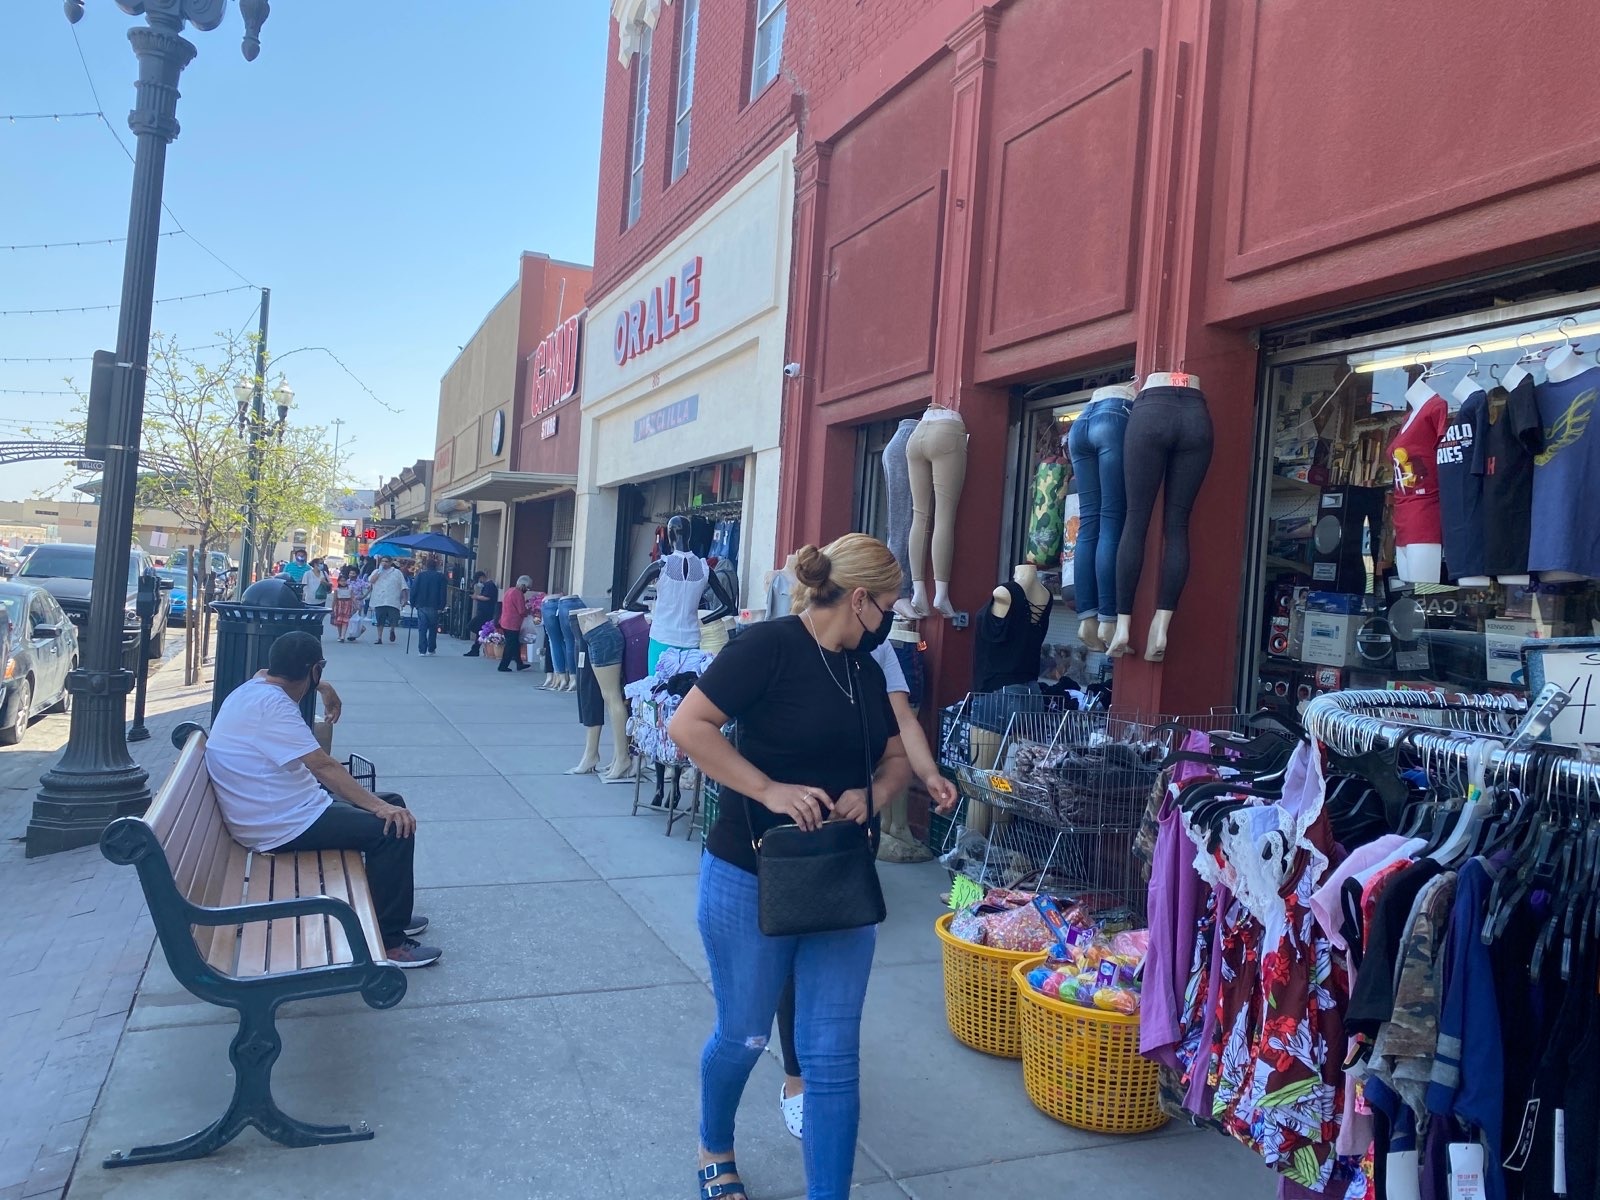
1176, 896
635, 647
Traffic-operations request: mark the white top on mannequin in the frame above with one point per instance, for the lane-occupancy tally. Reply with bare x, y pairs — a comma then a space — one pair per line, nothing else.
1170, 379
676, 616
1467, 388
1418, 394
1113, 391
935, 413
1564, 362
1025, 576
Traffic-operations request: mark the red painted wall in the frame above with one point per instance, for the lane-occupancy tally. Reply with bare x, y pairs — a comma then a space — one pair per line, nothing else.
999, 191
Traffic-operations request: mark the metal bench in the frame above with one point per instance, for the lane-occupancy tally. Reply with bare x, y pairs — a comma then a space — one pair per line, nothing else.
249, 931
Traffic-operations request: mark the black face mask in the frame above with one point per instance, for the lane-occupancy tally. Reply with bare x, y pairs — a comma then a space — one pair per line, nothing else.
871, 638
316, 678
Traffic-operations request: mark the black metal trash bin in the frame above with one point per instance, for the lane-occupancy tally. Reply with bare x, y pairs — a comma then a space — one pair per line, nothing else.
245, 633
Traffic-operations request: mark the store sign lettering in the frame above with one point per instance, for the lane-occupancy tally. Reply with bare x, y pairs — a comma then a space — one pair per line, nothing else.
668, 309
671, 417
548, 426
554, 367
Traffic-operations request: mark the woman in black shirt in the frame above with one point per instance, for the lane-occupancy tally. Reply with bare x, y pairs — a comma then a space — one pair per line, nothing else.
797, 686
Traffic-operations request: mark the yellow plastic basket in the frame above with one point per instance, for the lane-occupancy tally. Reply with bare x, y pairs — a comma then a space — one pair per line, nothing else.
1082, 1066
980, 999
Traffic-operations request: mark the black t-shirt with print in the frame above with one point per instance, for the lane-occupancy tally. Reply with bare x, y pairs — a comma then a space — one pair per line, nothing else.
1511, 435
1461, 491
795, 722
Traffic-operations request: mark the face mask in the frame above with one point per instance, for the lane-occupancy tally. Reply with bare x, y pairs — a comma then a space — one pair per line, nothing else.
871, 638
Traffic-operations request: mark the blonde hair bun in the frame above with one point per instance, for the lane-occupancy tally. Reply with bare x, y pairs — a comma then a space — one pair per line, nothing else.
812, 568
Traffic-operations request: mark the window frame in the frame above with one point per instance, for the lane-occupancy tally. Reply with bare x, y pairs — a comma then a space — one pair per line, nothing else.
638, 128
780, 12
683, 93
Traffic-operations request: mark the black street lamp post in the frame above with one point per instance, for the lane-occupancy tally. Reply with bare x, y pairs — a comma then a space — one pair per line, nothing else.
96, 780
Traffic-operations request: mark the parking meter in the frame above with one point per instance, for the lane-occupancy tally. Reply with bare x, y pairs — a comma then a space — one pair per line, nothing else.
149, 592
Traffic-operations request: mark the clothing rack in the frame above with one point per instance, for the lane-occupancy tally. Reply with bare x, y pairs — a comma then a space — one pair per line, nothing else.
717, 508
1349, 723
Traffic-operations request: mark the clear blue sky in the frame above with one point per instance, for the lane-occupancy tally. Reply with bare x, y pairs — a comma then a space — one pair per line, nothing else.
379, 167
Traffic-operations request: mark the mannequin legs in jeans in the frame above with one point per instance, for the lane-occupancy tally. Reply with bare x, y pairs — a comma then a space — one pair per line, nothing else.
1169, 442
748, 974
1095, 444
897, 486
936, 461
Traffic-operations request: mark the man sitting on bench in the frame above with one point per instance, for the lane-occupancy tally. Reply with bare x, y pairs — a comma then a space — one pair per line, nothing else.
273, 783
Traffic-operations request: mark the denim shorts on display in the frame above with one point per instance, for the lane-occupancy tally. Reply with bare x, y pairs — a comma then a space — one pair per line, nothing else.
605, 645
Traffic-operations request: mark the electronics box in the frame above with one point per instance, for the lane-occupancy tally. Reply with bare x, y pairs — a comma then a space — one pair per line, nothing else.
1329, 639
1344, 603
1502, 649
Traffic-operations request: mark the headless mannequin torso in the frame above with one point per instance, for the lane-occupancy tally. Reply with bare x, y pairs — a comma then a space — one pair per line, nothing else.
609, 678
678, 535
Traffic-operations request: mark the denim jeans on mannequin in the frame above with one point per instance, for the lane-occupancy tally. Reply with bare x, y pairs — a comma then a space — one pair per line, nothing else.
1095, 446
549, 611
571, 635
748, 974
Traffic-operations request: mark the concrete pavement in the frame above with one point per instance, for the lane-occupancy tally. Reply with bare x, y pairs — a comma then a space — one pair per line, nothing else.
554, 1051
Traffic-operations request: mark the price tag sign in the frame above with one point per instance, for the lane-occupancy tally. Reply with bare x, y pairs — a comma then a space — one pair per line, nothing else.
964, 893
1573, 665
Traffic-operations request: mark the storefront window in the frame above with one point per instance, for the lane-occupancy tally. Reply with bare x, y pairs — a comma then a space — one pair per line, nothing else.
1423, 512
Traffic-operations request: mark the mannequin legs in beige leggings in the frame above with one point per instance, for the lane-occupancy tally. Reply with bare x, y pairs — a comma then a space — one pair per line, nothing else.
936, 460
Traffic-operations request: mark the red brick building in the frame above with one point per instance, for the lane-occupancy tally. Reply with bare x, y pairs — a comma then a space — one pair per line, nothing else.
1001, 205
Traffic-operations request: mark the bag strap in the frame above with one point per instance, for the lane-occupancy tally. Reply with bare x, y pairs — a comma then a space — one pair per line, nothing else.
866, 736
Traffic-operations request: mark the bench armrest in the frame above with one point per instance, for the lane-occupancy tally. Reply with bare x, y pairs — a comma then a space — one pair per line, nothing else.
301, 906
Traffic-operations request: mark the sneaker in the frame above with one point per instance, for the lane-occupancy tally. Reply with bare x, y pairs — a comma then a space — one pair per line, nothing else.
412, 953
417, 926
794, 1109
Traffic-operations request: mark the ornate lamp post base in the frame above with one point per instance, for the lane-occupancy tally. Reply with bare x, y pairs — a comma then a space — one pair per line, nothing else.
93, 784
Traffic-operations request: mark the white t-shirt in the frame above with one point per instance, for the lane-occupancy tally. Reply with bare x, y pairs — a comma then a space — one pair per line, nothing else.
268, 797
388, 585
886, 658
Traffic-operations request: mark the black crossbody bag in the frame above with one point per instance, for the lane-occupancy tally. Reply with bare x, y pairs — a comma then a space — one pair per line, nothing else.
825, 880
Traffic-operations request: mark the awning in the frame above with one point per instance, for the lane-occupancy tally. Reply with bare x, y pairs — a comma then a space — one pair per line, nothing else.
507, 487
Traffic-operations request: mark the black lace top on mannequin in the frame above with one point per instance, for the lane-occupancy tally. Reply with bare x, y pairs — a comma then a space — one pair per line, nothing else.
1007, 648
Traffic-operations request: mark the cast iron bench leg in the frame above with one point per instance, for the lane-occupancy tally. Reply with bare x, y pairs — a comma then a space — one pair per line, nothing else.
255, 1048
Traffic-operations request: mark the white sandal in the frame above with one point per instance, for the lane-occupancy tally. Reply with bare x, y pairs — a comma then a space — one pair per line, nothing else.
794, 1110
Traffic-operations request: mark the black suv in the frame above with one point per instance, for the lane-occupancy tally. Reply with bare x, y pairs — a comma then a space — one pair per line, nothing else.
66, 571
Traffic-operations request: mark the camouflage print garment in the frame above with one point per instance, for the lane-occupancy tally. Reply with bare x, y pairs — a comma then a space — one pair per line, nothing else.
1403, 1050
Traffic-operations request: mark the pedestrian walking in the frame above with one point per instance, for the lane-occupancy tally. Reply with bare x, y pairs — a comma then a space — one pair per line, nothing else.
512, 609
485, 597
817, 742
344, 602
427, 598
388, 597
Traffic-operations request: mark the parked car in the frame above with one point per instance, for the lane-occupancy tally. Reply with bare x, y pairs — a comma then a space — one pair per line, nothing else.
67, 573
38, 646
217, 561
10, 560
178, 610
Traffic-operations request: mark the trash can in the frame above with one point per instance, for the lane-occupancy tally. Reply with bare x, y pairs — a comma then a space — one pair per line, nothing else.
245, 633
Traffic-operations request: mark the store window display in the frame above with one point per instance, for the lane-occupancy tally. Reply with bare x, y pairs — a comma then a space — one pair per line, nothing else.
1429, 504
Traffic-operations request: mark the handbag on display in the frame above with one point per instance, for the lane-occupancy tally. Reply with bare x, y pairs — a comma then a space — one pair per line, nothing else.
825, 880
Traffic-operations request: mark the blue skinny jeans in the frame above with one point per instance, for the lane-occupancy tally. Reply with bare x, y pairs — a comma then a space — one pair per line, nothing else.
748, 973
1095, 447
549, 613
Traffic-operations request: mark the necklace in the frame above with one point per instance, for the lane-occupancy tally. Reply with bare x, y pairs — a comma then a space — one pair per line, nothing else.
850, 691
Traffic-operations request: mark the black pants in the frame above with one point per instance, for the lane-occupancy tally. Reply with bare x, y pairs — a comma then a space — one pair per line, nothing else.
1169, 441
791, 1060
389, 858
511, 652
480, 618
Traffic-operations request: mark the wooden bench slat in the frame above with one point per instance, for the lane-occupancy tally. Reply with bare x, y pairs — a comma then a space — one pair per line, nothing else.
191, 805
313, 930
334, 884
282, 949
355, 869
253, 939
223, 953
209, 887
164, 812
208, 838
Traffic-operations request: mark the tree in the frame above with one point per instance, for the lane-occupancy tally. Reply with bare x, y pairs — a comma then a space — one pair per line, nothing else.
299, 479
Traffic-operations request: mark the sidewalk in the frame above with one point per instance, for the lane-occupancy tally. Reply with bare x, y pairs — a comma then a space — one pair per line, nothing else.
73, 947
554, 1051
